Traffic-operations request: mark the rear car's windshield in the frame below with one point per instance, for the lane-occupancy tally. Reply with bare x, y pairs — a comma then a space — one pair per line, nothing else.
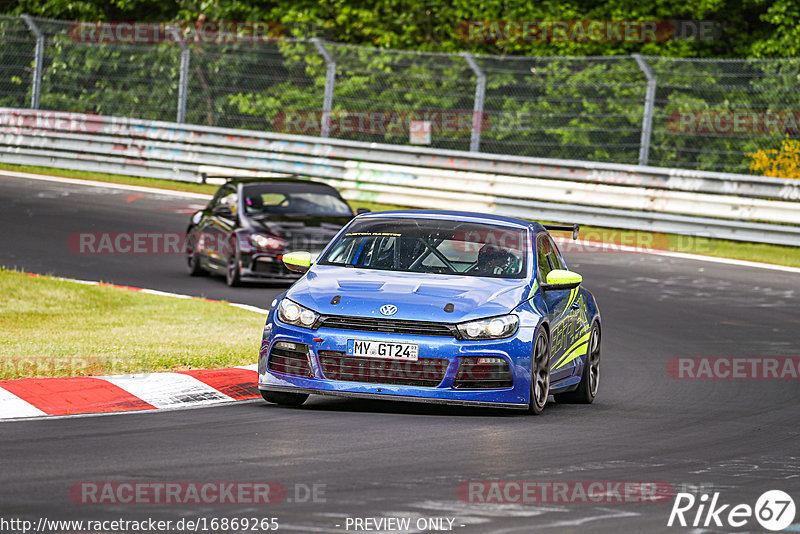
431, 246
291, 199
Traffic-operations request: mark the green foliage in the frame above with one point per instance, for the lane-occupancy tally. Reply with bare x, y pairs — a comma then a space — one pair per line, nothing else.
762, 28
564, 107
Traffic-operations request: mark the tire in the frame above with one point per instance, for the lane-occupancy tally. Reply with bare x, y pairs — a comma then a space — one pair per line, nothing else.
284, 399
233, 274
590, 378
192, 259
540, 372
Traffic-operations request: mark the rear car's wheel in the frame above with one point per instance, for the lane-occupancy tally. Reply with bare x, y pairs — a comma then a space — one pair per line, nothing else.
540, 372
193, 258
284, 399
233, 274
590, 378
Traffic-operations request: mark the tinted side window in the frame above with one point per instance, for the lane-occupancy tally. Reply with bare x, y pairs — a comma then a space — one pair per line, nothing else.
547, 256
225, 198
219, 194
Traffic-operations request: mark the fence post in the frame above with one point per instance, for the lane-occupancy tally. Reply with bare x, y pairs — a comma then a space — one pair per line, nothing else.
477, 110
330, 80
183, 81
649, 105
38, 59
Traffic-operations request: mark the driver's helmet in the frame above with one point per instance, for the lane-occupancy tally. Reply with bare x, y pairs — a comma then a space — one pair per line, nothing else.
254, 203
494, 260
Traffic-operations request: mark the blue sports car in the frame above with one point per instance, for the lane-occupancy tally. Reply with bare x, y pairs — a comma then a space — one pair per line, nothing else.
434, 306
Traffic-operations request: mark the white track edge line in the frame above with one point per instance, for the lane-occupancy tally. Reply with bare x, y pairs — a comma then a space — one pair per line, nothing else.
246, 307
132, 412
109, 185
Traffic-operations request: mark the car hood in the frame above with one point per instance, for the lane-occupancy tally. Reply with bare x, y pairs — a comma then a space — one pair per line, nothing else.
418, 296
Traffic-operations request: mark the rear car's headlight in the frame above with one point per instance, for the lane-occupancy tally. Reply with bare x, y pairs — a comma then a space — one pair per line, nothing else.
265, 242
492, 328
290, 312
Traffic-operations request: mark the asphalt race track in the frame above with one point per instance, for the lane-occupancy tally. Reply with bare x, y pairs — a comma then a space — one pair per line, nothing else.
375, 459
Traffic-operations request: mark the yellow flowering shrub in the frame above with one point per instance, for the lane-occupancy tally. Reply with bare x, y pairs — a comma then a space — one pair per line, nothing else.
783, 163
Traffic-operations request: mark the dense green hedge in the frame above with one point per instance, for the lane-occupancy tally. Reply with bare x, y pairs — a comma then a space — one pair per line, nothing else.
750, 28
564, 107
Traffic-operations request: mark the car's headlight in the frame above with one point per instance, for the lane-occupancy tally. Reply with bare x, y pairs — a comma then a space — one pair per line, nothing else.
264, 242
290, 312
492, 328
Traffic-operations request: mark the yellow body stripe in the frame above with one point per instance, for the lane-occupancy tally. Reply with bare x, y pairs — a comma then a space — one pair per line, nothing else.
578, 348
534, 289
580, 351
573, 294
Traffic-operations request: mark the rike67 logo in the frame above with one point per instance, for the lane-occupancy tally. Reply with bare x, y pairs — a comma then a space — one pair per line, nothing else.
774, 510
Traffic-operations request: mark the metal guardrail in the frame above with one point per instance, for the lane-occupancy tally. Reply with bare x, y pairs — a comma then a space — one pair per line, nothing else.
728, 206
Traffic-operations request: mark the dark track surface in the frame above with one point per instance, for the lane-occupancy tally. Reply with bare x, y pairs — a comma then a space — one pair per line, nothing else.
738, 437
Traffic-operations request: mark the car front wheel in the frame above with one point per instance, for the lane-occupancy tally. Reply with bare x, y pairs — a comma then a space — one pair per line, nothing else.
540, 372
193, 258
233, 273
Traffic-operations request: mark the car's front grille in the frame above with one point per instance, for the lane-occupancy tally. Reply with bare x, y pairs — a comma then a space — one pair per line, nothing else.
483, 373
290, 358
388, 326
271, 267
425, 372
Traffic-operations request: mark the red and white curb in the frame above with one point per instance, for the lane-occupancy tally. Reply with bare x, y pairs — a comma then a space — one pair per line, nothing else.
38, 397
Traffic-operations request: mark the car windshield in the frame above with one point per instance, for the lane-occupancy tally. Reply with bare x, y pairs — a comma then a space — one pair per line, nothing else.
431, 246
299, 199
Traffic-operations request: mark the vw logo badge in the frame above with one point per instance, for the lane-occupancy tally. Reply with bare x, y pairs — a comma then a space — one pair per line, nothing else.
388, 309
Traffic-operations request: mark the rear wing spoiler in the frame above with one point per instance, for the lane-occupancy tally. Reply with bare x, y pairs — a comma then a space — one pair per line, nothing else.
574, 228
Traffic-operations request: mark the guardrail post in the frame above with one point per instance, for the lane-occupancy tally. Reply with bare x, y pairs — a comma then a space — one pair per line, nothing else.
649, 106
183, 81
330, 80
477, 110
38, 59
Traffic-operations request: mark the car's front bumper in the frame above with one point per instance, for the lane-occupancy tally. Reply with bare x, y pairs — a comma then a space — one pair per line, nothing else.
265, 267
402, 398
516, 350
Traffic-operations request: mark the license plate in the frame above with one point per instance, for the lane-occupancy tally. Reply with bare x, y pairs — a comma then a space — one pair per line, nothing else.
383, 349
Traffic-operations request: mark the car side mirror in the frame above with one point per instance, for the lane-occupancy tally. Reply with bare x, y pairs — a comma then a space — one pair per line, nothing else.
360, 211
562, 279
222, 211
298, 262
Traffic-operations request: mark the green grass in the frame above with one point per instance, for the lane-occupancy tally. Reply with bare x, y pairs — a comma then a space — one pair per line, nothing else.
781, 255
53, 328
